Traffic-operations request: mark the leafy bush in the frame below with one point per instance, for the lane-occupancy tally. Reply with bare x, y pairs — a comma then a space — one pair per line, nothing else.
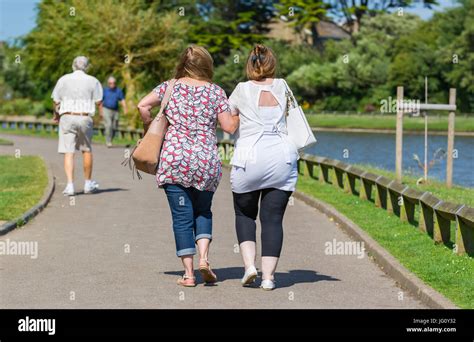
291, 56
354, 75
22, 106
230, 73
37, 109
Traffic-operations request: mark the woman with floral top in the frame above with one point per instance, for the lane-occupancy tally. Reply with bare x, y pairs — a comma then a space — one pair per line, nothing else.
190, 167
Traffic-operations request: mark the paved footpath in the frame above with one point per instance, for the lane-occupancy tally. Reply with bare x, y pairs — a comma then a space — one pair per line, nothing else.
115, 249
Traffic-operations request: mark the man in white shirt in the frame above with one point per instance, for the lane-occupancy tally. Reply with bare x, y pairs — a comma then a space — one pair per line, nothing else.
75, 97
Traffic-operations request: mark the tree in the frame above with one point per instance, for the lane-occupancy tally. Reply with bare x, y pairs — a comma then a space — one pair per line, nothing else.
222, 25
441, 49
353, 11
355, 76
15, 79
414, 58
304, 15
289, 57
455, 46
131, 39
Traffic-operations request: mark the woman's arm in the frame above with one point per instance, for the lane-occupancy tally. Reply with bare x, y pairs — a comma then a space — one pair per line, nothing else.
229, 123
145, 106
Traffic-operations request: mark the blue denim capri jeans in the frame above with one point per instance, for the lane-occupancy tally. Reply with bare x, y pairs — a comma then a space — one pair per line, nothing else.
191, 214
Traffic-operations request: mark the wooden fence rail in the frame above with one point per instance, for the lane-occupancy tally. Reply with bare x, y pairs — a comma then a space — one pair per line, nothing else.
433, 216
49, 126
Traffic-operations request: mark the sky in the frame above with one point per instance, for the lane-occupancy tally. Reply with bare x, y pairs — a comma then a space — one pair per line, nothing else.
17, 17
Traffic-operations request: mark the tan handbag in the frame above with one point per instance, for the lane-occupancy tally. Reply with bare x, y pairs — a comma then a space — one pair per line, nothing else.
146, 154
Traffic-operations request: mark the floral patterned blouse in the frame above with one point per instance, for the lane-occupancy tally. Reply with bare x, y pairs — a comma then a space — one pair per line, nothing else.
189, 156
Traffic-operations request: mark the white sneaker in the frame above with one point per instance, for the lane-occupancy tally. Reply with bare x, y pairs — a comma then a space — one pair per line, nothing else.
68, 190
249, 276
91, 187
267, 285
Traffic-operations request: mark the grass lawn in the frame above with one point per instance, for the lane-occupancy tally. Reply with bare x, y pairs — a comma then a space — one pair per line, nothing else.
96, 138
5, 142
436, 265
435, 123
22, 183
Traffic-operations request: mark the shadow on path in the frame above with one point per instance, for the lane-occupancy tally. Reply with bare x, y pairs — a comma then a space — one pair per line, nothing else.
119, 146
101, 191
283, 279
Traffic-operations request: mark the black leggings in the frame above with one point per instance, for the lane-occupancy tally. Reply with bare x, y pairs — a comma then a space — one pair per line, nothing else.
272, 208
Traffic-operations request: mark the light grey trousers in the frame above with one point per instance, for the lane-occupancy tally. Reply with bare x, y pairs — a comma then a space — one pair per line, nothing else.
111, 121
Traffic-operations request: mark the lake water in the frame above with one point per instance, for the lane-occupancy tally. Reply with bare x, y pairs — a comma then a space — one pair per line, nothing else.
379, 150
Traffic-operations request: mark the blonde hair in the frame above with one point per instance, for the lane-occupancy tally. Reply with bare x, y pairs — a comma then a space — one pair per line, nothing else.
261, 63
195, 62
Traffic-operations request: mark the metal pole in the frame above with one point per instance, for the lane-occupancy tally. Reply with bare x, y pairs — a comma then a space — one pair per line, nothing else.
449, 158
399, 135
425, 167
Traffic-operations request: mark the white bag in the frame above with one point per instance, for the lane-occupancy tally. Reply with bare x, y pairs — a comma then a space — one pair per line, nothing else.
299, 131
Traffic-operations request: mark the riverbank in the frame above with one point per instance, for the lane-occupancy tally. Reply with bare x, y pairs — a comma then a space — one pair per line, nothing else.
387, 124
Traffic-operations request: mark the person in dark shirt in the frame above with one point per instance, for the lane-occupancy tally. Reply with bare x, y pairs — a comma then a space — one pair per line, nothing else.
109, 110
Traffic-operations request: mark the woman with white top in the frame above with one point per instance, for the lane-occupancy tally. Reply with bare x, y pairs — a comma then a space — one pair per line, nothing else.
263, 165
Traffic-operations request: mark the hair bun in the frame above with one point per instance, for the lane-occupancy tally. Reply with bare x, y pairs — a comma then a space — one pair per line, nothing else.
259, 49
261, 63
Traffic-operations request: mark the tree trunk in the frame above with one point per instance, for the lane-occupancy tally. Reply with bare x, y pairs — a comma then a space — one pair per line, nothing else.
133, 117
317, 43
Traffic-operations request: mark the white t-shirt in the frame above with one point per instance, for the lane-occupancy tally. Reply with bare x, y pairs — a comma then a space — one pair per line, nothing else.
77, 92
